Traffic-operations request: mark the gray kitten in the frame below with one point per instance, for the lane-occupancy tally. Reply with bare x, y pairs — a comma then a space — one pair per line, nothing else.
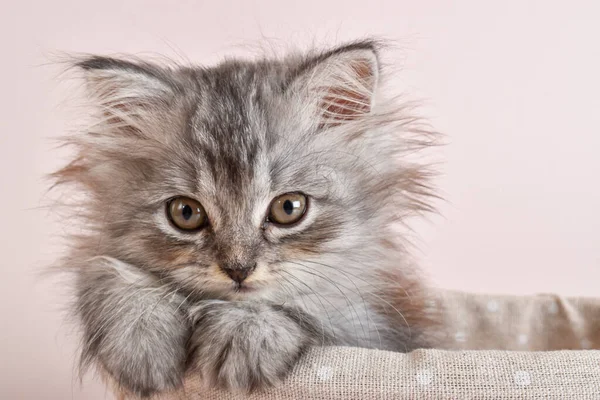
237, 214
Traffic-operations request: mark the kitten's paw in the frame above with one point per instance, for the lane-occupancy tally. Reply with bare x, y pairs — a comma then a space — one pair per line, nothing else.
247, 346
143, 371
134, 329
148, 355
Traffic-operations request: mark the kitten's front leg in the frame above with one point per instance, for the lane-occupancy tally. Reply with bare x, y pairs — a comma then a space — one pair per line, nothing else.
249, 345
134, 328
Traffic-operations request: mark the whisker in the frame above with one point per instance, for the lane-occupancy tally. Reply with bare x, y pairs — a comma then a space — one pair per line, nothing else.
372, 294
318, 297
366, 308
367, 312
348, 301
358, 277
306, 307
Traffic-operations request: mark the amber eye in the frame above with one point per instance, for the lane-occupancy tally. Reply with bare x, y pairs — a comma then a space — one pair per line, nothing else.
288, 208
186, 214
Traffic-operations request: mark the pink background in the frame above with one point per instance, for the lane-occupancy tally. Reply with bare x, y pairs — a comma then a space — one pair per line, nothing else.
513, 83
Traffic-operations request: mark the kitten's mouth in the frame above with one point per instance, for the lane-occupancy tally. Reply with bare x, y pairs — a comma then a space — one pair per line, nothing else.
243, 288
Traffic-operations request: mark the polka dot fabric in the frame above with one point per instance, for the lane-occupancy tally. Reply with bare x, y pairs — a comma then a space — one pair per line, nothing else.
519, 323
493, 347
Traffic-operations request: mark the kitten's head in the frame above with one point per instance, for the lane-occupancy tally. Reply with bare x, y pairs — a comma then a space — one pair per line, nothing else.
250, 178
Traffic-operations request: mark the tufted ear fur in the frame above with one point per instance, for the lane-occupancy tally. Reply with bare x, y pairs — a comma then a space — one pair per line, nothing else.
342, 82
127, 93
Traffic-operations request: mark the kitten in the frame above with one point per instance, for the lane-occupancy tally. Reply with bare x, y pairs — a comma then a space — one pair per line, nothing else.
237, 214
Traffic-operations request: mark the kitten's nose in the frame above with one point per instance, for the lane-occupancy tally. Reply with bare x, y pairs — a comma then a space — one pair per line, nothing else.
238, 272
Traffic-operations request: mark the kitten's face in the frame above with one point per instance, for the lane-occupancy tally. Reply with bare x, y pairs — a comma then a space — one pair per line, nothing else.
245, 180
242, 158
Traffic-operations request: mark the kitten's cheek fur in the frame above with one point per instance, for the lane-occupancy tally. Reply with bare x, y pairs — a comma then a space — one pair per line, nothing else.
244, 346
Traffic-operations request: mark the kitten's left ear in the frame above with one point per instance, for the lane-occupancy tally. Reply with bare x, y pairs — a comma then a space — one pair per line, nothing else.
342, 81
126, 92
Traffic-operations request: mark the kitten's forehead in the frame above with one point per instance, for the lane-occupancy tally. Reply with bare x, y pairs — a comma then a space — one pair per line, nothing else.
229, 134
245, 136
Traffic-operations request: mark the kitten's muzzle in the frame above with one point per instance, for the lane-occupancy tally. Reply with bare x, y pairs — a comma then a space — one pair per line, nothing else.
238, 272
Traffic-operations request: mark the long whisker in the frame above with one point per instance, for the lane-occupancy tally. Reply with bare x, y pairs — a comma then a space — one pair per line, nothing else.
372, 294
168, 293
318, 297
366, 308
193, 291
288, 291
305, 306
348, 301
367, 311
358, 277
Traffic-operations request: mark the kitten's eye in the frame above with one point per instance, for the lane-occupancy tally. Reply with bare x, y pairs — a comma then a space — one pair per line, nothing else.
288, 208
186, 214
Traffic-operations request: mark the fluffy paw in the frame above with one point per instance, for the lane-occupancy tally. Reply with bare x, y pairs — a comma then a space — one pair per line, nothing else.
148, 356
247, 346
136, 334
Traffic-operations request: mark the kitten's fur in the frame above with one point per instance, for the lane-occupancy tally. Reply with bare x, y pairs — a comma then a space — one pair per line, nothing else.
152, 300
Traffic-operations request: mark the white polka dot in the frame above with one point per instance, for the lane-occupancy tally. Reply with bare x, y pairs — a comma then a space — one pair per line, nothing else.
460, 336
522, 338
492, 306
553, 308
324, 373
585, 343
522, 378
424, 377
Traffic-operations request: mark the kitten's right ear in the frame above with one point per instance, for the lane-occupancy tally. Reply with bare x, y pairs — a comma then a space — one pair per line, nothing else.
125, 90
341, 83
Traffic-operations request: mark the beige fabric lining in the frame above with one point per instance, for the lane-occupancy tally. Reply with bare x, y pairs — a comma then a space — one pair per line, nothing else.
526, 329
353, 373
